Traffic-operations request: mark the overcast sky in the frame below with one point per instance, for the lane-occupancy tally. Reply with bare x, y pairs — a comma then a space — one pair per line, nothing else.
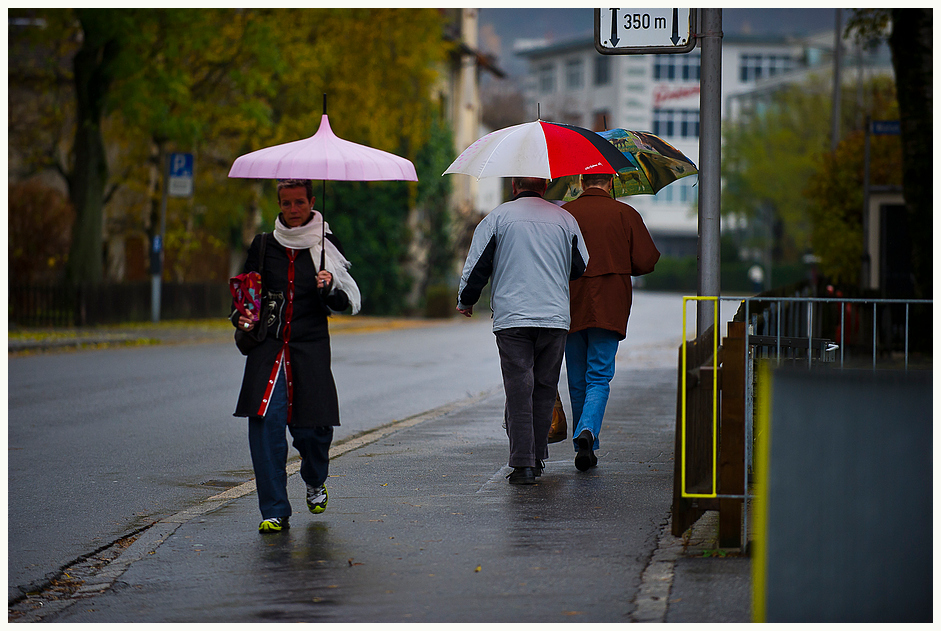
499, 28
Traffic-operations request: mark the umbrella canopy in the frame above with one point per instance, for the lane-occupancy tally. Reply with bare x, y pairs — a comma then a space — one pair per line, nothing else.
539, 149
323, 156
655, 162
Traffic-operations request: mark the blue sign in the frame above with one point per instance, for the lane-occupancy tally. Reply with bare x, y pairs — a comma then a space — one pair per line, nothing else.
180, 182
181, 165
886, 128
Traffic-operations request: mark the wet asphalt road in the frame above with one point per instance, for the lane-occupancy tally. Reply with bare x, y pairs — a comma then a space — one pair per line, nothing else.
423, 527
104, 442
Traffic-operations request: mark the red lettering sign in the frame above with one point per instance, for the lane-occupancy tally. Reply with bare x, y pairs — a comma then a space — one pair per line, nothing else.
664, 93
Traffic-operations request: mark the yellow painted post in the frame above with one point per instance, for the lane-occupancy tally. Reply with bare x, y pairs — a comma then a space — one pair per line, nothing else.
715, 399
762, 475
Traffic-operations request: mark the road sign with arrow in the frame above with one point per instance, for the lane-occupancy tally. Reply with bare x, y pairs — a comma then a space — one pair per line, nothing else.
644, 31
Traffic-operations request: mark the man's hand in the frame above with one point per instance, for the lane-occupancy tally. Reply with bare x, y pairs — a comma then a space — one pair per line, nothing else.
467, 311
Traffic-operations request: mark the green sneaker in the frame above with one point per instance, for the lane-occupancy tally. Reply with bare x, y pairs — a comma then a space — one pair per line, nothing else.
317, 498
273, 524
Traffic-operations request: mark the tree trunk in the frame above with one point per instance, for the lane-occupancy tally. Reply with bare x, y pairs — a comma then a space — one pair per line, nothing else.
911, 43
89, 174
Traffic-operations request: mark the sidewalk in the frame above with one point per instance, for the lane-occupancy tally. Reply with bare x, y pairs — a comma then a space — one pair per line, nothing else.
422, 526
26, 340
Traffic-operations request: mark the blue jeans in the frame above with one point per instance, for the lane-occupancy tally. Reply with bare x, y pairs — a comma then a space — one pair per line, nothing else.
589, 364
269, 447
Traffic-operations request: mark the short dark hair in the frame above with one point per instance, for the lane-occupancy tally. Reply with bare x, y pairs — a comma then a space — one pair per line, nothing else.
596, 179
534, 184
307, 184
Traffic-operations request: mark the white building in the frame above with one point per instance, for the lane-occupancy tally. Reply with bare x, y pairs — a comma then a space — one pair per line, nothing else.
571, 82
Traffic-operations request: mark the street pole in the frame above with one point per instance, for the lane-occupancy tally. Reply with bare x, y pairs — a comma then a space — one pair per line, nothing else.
837, 87
710, 156
865, 269
156, 254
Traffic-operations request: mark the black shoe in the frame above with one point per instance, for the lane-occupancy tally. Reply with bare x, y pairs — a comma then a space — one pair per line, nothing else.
522, 475
537, 470
585, 458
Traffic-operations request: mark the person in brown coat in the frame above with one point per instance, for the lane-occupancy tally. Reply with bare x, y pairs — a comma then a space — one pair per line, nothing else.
620, 247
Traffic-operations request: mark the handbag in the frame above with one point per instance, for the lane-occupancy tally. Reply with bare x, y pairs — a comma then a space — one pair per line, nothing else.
247, 340
559, 429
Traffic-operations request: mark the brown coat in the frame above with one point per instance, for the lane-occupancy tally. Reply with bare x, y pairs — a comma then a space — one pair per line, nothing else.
619, 246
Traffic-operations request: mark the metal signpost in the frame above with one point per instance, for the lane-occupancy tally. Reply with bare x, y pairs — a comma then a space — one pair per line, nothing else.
178, 182
873, 128
666, 31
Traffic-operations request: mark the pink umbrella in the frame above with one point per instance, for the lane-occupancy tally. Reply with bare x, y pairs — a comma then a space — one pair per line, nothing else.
323, 156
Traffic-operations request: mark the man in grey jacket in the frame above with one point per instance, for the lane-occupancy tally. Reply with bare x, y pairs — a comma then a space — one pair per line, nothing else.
531, 248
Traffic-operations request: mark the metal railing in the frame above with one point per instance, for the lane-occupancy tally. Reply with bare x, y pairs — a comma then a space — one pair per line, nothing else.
64, 305
836, 332
774, 323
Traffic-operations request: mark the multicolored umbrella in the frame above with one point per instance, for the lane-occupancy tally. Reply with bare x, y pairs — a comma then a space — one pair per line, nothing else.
539, 149
654, 163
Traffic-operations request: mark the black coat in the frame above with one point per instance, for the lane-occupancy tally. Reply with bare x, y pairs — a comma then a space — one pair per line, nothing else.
315, 395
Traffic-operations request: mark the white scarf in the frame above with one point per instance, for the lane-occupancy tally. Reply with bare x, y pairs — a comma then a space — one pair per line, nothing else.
309, 237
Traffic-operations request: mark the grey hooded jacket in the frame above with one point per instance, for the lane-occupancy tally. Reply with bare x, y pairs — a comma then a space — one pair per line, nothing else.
532, 249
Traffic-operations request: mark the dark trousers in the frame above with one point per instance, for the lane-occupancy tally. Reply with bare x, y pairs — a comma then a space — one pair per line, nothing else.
531, 359
269, 448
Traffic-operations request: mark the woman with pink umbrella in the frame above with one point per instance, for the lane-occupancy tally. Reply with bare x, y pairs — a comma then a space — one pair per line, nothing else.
287, 380
305, 277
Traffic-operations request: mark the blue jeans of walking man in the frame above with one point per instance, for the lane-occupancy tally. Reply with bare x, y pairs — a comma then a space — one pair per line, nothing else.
589, 364
269, 447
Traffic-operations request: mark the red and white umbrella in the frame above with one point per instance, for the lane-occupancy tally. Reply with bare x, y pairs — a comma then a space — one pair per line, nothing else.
539, 149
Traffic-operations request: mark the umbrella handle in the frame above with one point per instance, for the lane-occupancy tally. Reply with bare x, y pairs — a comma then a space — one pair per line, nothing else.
323, 216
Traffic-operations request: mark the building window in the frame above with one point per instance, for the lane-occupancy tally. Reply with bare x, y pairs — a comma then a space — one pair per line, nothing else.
681, 192
689, 66
602, 70
676, 67
574, 75
663, 68
689, 124
754, 67
676, 123
546, 78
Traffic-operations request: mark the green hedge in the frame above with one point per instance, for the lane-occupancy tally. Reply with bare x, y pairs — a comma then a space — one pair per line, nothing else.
680, 274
